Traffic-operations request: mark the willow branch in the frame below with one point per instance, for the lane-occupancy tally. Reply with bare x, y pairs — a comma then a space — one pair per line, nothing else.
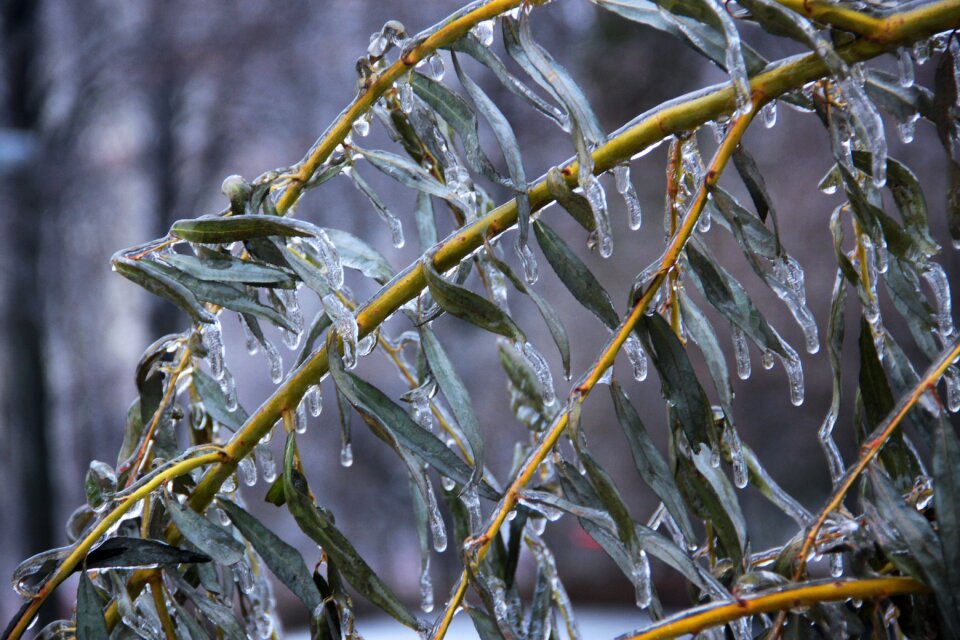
871, 447
810, 593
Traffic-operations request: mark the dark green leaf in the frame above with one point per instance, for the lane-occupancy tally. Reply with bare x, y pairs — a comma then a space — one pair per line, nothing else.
718, 500
215, 404
226, 268
466, 305
284, 561
575, 204
159, 283
409, 174
222, 618
123, 552
357, 254
208, 537
701, 332
223, 230
90, 622
946, 501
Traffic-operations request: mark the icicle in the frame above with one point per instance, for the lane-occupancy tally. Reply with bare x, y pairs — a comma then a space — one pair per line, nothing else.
935, 276
531, 271
419, 399
794, 370
437, 529
432, 67
484, 32
248, 471
540, 369
361, 126
625, 188
212, 340
345, 325
705, 220
251, 342
268, 466
638, 359
229, 485
326, 252
640, 575
719, 129
300, 418
714, 456
426, 586
275, 361
346, 454
229, 387
607, 376
595, 195
907, 128
732, 442
471, 500
32, 573
367, 344
905, 64
769, 114
244, 576
314, 400
952, 377
741, 351
825, 435
766, 360
836, 564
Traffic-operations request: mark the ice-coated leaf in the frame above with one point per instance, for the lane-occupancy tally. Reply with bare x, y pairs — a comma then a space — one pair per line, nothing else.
147, 275
688, 402
469, 306
946, 501
426, 222
205, 535
575, 275
752, 235
547, 312
357, 254
393, 222
318, 525
226, 268
908, 196
457, 396
223, 230
320, 323
389, 416
411, 175
719, 501
284, 561
221, 617
753, 180
215, 403
701, 332
124, 552
90, 622
458, 114
574, 203
649, 461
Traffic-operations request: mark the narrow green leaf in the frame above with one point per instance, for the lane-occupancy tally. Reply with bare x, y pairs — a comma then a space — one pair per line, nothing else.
466, 305
575, 275
226, 268
575, 204
208, 537
357, 254
223, 619
125, 552
946, 501
318, 524
91, 624
223, 230
284, 561
701, 332
215, 404
159, 283
720, 501
411, 175
320, 323
648, 460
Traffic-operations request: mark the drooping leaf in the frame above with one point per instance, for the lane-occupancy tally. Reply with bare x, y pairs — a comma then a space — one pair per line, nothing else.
357, 254
214, 402
946, 501
227, 268
205, 535
411, 175
575, 204
701, 332
90, 622
718, 500
284, 561
223, 230
159, 283
220, 616
125, 552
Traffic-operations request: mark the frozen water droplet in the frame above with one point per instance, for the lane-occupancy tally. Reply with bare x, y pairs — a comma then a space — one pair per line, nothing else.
767, 359
731, 440
250, 340
274, 360
905, 65
705, 220
437, 529
268, 466
484, 32
361, 126
405, 94
907, 128
640, 575
346, 454
329, 258
229, 387
637, 357
836, 564
952, 377
345, 325
794, 370
29, 576
471, 500
378, 45
597, 198
936, 277
921, 51
625, 188
432, 66
741, 352
529, 262
300, 418
769, 114
541, 370
419, 399
212, 340
367, 344
314, 400
426, 587
244, 577
229, 485
248, 471
607, 376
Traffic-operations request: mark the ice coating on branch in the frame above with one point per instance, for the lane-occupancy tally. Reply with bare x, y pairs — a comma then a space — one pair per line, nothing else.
731, 440
250, 340
637, 357
437, 529
952, 378
345, 326
275, 361
936, 277
741, 352
247, 469
640, 576
905, 66
621, 174
484, 32
426, 586
229, 387
593, 191
212, 340
541, 369
314, 400
768, 114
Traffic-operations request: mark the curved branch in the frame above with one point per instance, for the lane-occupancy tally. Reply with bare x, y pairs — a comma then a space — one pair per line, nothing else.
809, 593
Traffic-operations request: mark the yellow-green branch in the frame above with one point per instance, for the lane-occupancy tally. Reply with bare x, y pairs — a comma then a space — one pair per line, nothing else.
871, 447
807, 594
79, 552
